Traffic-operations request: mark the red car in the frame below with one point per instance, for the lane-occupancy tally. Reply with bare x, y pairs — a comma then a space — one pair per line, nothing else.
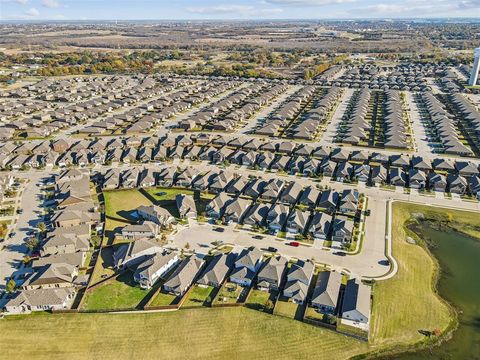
294, 243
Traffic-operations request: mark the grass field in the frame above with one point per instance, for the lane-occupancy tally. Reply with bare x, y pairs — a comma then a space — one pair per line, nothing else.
121, 293
407, 303
226, 333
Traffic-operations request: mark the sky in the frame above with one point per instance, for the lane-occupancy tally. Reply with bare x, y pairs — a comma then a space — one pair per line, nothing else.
233, 9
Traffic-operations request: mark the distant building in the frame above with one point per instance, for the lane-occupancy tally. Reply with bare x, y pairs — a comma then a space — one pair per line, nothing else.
475, 69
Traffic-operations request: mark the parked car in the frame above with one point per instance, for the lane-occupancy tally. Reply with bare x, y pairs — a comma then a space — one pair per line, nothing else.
12, 234
294, 243
19, 211
272, 249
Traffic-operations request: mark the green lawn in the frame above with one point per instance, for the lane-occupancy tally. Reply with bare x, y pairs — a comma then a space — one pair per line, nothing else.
258, 300
312, 314
121, 293
228, 294
407, 303
119, 204
163, 194
285, 308
198, 296
162, 299
221, 333
103, 266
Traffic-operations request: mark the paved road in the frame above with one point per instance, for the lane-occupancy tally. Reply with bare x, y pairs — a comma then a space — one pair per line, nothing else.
369, 262
422, 146
15, 249
331, 130
263, 113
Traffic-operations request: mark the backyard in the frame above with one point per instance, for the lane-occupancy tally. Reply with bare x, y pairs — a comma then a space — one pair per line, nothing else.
199, 296
120, 293
230, 293
260, 300
286, 308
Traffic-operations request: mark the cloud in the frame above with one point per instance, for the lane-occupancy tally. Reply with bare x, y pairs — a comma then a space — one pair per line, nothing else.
32, 12
23, 2
308, 2
417, 8
52, 4
234, 10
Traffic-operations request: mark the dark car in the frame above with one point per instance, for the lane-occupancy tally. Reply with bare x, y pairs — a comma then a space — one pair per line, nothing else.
19, 211
12, 234
272, 249
259, 237
219, 229
339, 253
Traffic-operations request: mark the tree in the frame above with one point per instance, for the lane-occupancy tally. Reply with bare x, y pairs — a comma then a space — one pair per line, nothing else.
32, 243
41, 227
11, 285
187, 246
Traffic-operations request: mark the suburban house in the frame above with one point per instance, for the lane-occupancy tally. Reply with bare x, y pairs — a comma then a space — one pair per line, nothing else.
342, 230
154, 267
327, 291
271, 274
27, 301
216, 270
297, 221
155, 214
320, 225
298, 279
277, 217
183, 276
186, 206
146, 229
356, 304
246, 266
57, 275
135, 252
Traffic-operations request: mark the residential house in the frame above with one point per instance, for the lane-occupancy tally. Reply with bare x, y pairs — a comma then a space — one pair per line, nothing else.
183, 276
271, 274
298, 280
326, 292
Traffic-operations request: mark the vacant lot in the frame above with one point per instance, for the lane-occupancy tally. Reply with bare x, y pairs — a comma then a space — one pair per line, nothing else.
407, 303
227, 333
121, 293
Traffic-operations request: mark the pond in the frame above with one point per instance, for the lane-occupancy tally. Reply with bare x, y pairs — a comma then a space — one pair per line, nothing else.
459, 283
